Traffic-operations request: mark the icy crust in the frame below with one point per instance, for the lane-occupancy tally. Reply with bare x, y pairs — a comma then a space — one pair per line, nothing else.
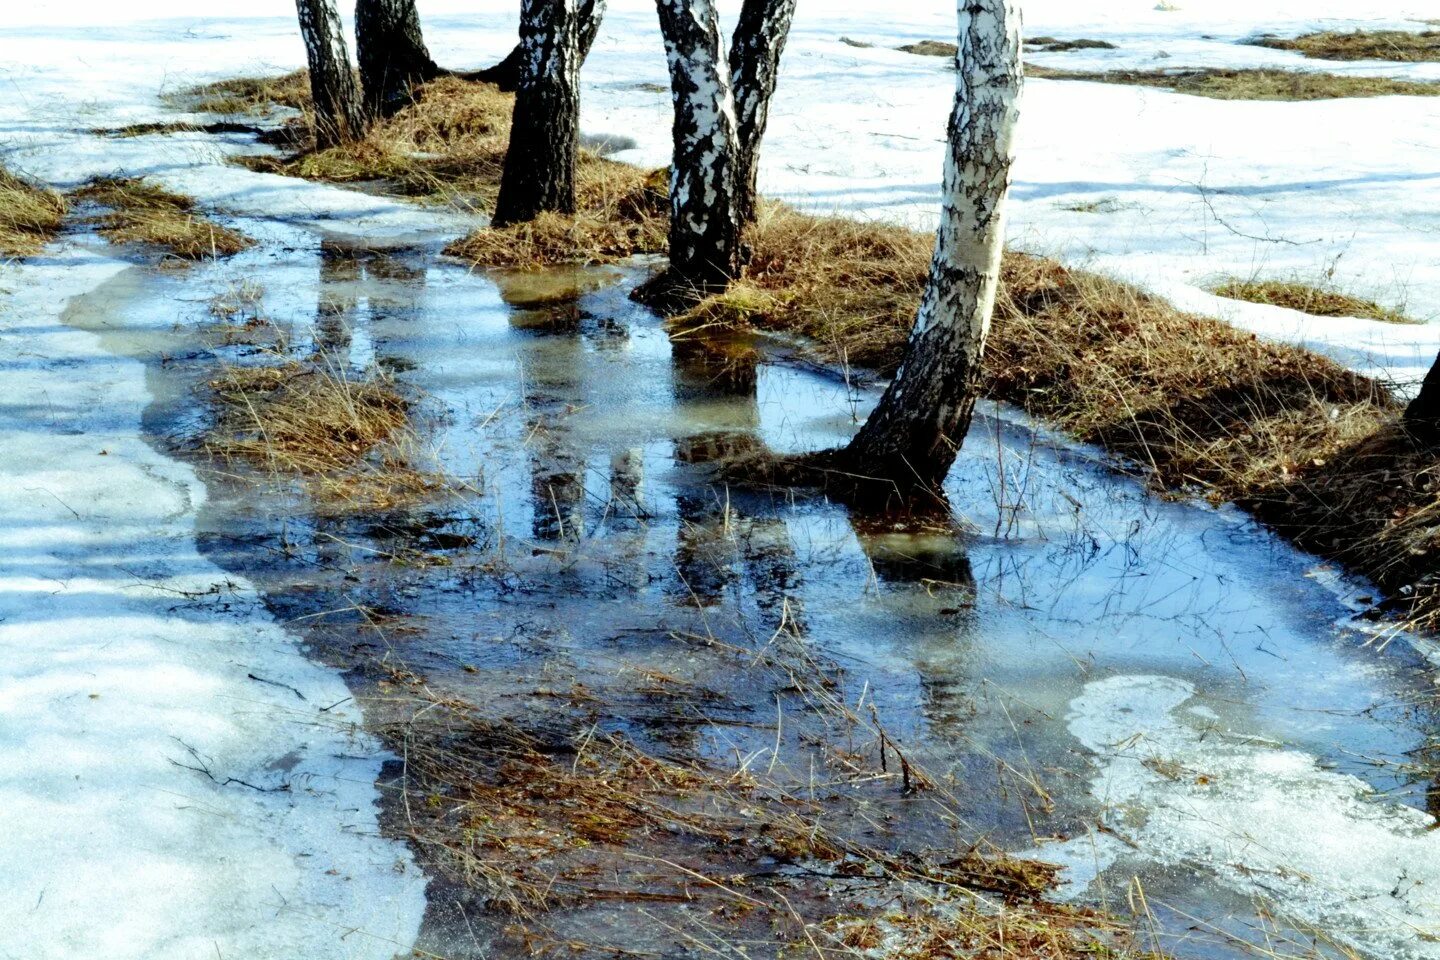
179, 780
1190, 792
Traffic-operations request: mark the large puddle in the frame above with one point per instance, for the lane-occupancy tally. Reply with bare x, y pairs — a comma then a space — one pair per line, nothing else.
1157, 694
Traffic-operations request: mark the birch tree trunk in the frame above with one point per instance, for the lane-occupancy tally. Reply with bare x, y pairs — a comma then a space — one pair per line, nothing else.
539, 173
913, 436
506, 73
1422, 416
704, 225
390, 48
339, 114
755, 51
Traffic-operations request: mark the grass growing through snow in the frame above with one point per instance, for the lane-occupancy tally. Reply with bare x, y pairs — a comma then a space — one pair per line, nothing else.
139, 212
246, 95
1401, 45
1249, 84
30, 215
1317, 301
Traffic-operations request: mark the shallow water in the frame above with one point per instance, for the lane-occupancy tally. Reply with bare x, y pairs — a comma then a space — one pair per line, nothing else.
592, 539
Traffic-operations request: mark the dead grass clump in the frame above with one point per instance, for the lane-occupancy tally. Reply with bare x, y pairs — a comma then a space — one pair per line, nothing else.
140, 212
1250, 84
349, 439
245, 95
1053, 45
1307, 299
29, 215
930, 48
1401, 45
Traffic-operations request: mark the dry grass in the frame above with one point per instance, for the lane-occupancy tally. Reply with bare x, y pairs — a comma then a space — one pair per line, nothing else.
1318, 301
246, 95
1054, 45
1249, 84
349, 439
1401, 45
30, 216
142, 213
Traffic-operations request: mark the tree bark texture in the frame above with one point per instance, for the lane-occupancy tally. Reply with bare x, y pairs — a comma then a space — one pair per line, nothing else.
339, 113
1422, 416
914, 434
506, 73
704, 226
539, 173
755, 50
390, 48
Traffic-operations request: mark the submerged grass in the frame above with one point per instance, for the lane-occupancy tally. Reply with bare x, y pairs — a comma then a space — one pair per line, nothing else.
140, 212
1402, 45
349, 439
1249, 84
1318, 301
30, 215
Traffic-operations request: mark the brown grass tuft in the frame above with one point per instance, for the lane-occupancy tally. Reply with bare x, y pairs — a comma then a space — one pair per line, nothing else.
1402, 45
1249, 84
29, 215
1307, 299
245, 95
140, 212
350, 440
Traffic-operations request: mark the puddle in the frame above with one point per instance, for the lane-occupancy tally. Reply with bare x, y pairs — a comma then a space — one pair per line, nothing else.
1017, 651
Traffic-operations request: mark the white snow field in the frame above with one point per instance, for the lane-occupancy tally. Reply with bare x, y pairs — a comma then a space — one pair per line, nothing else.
139, 760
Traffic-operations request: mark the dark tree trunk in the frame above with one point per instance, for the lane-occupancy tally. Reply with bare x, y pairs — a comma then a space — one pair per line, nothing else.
755, 51
539, 172
506, 73
390, 48
1422, 416
339, 114
704, 226
914, 434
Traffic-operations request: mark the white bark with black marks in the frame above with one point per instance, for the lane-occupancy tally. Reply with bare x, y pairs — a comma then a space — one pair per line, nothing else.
755, 51
704, 221
390, 48
539, 173
914, 434
339, 113
506, 73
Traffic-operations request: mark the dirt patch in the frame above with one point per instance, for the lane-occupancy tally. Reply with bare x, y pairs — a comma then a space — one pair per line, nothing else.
1249, 84
1317, 301
141, 213
30, 215
1399, 45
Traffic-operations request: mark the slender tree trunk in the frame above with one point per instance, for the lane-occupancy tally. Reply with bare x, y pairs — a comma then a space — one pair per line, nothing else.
506, 73
916, 431
339, 113
390, 48
704, 225
1422, 416
755, 51
539, 172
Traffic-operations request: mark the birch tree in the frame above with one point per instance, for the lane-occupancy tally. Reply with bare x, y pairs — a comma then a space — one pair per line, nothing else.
717, 131
506, 74
914, 434
339, 113
539, 172
391, 51
1422, 416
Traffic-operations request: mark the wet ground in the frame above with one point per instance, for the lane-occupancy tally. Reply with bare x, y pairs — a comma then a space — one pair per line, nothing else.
588, 574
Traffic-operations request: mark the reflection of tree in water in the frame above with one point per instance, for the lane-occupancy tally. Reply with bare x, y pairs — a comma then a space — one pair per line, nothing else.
388, 287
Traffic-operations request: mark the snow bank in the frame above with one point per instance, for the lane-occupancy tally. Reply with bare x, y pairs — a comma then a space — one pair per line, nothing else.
1192, 791
179, 781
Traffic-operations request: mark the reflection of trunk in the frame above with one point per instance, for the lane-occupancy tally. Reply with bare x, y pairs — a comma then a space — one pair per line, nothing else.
507, 73
1422, 416
391, 50
755, 52
336, 304
539, 170
704, 227
916, 431
339, 114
